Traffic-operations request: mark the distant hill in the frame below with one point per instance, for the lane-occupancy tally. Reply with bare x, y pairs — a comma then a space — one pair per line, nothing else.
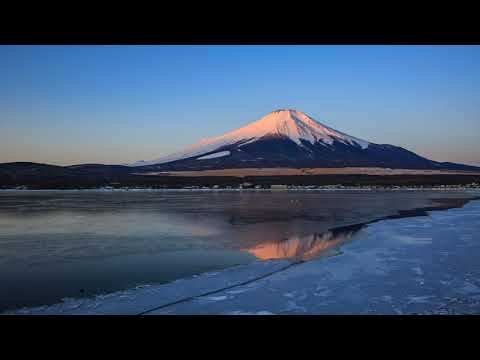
43, 175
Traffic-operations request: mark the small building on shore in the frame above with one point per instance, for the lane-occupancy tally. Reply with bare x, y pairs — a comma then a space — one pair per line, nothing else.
246, 185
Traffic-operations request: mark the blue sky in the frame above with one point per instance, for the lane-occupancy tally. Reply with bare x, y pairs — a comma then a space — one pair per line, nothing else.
117, 104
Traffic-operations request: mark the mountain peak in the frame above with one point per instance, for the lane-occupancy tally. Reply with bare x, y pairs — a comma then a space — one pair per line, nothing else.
283, 110
298, 126
286, 112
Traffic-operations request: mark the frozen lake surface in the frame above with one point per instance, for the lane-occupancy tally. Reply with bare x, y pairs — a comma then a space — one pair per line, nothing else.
55, 244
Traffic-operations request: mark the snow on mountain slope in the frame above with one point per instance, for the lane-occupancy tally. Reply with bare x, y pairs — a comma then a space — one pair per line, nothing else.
292, 124
214, 155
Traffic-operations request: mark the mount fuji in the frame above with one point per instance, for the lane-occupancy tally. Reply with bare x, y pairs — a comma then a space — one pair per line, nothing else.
290, 138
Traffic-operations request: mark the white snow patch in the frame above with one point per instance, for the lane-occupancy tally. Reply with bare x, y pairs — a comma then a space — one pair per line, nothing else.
214, 298
215, 155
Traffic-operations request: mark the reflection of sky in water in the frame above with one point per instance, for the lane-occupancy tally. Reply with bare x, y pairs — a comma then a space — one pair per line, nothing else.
63, 234
48, 226
55, 226
125, 223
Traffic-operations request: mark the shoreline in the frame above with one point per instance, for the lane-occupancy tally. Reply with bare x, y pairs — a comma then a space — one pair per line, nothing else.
293, 189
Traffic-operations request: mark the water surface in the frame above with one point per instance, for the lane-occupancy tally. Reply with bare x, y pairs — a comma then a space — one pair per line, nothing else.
57, 244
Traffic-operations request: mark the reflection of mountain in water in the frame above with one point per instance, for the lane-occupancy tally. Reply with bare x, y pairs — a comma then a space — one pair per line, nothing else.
311, 246
307, 247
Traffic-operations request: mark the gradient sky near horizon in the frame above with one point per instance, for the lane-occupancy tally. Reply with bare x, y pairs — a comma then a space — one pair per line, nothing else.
120, 104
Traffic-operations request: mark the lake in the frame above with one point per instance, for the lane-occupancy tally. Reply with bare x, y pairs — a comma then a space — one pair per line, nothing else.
60, 244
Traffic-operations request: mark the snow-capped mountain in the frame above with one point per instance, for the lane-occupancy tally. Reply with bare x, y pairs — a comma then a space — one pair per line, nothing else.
290, 124
290, 138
